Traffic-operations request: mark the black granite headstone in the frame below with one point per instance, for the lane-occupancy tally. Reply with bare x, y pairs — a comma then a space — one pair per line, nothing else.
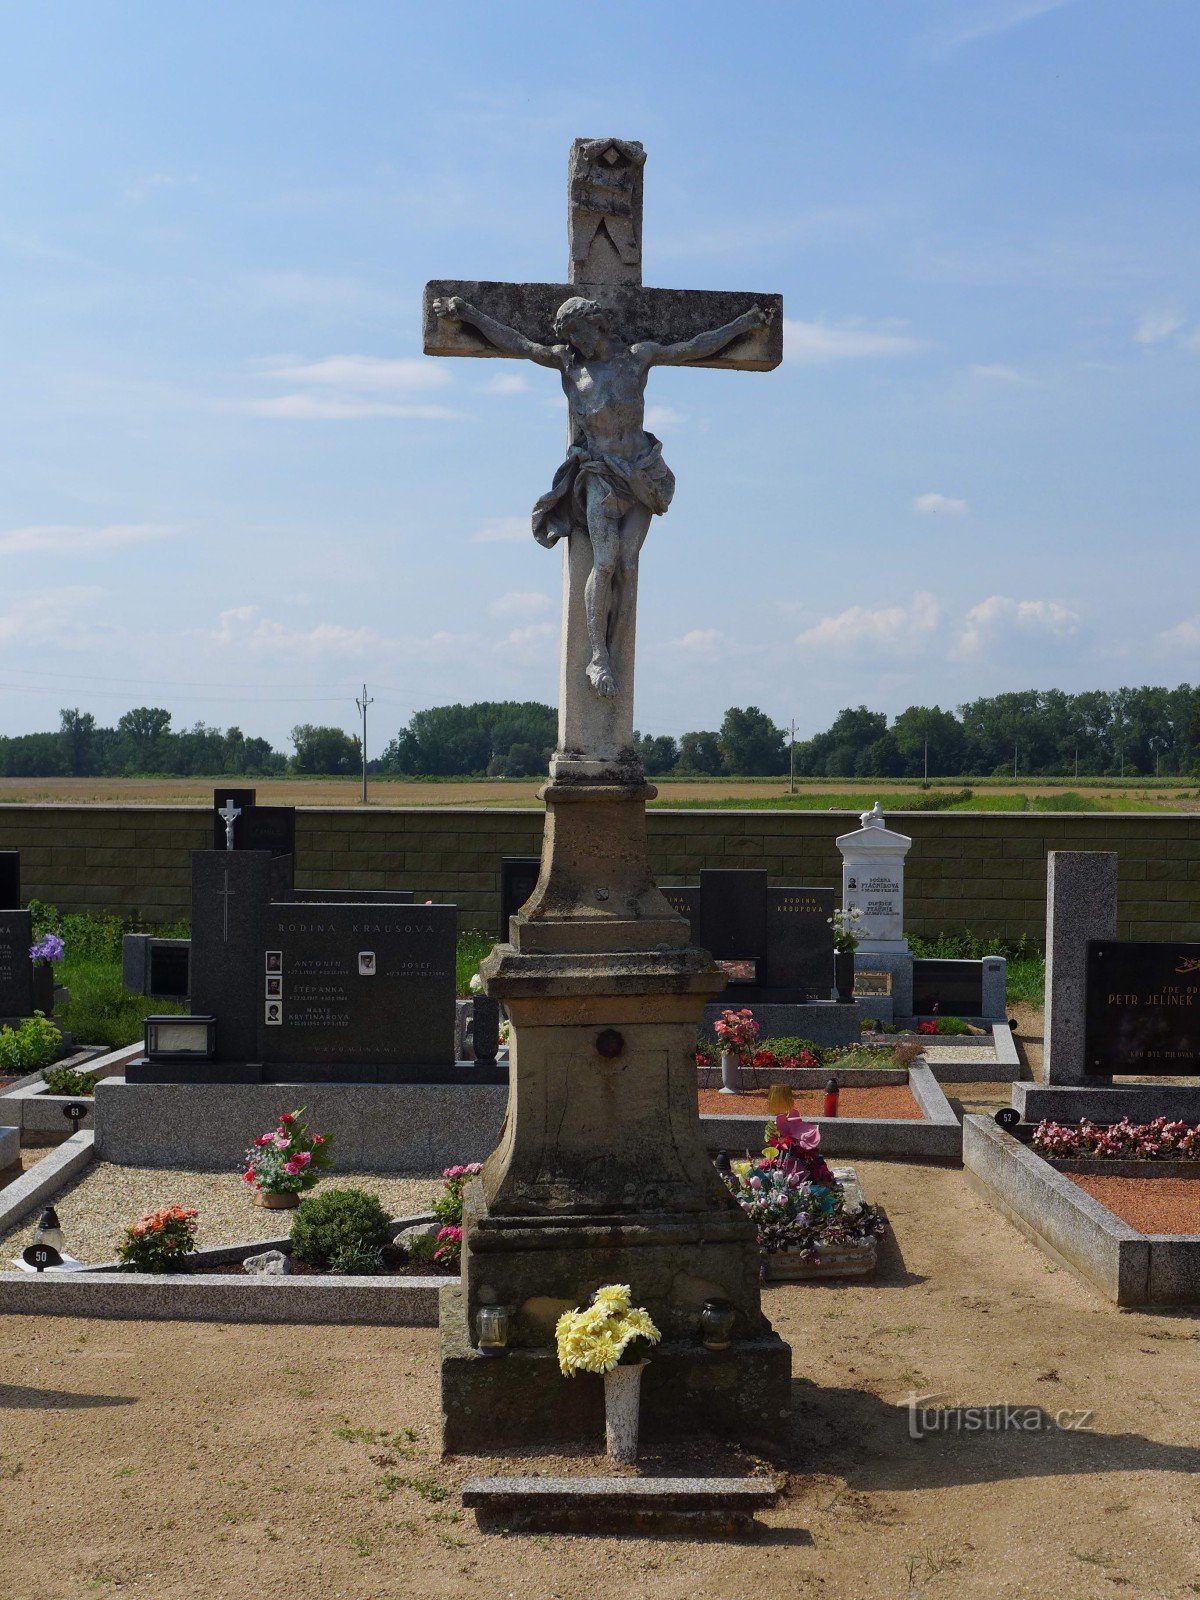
270, 828
356, 991
231, 891
156, 967
1142, 1009
16, 969
774, 945
518, 879
947, 988
10, 880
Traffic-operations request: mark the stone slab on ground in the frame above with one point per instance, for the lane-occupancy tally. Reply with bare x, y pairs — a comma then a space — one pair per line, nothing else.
1128, 1267
976, 1060
1140, 1102
649, 1505
374, 1127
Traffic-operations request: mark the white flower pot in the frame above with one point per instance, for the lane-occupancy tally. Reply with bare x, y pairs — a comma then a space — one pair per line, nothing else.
622, 1411
731, 1075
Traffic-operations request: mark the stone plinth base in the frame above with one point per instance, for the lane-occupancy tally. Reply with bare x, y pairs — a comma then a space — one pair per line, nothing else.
1140, 1102
520, 1400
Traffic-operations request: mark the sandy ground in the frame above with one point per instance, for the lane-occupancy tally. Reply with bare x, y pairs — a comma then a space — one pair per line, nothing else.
1152, 1205
497, 792
889, 1100
177, 1461
96, 1207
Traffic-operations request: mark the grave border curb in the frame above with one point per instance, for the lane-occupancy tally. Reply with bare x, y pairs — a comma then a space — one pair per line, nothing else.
936, 1137
45, 1178
1127, 1267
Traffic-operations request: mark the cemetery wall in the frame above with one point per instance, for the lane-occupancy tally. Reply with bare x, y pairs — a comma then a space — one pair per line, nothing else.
986, 871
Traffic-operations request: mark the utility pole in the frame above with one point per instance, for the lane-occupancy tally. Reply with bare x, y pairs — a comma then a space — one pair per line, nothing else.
367, 700
926, 785
1015, 744
792, 761
1076, 763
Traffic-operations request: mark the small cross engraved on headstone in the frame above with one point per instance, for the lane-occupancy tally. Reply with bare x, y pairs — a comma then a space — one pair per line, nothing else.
224, 894
229, 813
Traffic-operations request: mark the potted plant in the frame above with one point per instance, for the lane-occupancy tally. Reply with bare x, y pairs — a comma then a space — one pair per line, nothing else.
161, 1241
805, 1226
845, 923
285, 1163
737, 1033
611, 1337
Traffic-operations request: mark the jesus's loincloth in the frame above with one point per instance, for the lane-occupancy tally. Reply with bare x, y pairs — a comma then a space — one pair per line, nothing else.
646, 481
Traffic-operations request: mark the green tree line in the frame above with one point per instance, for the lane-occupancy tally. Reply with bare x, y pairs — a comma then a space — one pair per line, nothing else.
1035, 733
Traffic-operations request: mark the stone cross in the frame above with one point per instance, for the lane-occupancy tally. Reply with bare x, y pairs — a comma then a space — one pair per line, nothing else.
229, 814
224, 894
602, 331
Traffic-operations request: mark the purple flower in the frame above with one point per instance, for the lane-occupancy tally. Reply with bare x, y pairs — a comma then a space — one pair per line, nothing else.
49, 949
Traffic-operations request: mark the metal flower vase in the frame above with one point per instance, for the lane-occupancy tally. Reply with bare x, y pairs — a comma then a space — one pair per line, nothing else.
622, 1410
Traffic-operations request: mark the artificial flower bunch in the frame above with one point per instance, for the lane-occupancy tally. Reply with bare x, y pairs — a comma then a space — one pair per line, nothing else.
767, 1060
1160, 1140
737, 1032
289, 1159
48, 951
160, 1242
612, 1331
793, 1198
844, 923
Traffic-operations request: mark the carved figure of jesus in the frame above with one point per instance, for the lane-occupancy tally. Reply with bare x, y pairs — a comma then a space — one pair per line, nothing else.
614, 478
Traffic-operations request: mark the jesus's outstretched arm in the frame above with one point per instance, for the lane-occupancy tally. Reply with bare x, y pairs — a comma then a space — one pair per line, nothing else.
704, 344
505, 339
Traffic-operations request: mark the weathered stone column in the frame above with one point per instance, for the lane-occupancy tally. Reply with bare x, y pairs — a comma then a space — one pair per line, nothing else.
1081, 904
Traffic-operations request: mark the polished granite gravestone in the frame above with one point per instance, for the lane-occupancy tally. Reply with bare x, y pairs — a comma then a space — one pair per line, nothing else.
10, 880
774, 945
357, 991
16, 969
256, 827
316, 986
159, 968
518, 879
1142, 1009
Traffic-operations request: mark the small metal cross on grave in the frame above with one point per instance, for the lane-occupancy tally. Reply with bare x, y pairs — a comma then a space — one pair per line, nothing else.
229, 813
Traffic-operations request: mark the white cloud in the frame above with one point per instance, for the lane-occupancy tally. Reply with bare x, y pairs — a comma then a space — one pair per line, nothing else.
1155, 326
878, 630
1183, 636
248, 630
997, 372
38, 618
327, 408
945, 505
503, 530
365, 372
507, 383
700, 641
73, 539
663, 417
984, 21
1000, 613
530, 641
818, 342
520, 603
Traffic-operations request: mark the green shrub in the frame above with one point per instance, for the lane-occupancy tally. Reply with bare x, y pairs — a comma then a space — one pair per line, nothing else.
789, 1044
420, 1251
338, 1220
65, 1080
472, 947
33, 1043
357, 1260
952, 1025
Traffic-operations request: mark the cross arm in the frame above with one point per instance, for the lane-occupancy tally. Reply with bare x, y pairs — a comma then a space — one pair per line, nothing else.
664, 316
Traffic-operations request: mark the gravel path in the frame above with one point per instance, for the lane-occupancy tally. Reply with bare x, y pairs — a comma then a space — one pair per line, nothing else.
95, 1209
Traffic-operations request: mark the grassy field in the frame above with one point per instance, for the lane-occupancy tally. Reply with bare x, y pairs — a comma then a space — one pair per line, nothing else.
967, 794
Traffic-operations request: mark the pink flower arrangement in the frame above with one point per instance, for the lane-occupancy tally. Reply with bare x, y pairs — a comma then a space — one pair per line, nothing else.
1160, 1140
288, 1159
449, 1247
737, 1032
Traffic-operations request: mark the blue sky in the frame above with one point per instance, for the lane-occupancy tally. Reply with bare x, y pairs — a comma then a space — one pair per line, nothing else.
231, 484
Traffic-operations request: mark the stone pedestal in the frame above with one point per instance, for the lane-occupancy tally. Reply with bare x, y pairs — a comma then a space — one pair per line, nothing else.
601, 1174
873, 883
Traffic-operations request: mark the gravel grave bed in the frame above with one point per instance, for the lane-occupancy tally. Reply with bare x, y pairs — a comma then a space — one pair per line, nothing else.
1152, 1205
894, 1101
96, 1207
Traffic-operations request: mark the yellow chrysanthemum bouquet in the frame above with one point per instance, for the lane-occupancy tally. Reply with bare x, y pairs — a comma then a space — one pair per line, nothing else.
610, 1332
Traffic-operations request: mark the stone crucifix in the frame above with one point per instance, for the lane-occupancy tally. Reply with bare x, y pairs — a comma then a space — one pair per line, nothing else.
602, 332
